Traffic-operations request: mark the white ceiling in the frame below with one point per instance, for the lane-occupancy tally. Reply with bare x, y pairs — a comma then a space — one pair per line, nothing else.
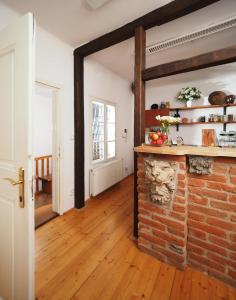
74, 22
120, 58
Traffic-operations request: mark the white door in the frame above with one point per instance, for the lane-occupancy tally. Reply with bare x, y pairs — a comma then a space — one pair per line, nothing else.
16, 217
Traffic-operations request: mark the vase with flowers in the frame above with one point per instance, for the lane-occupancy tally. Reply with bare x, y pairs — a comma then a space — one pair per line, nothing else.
160, 137
188, 95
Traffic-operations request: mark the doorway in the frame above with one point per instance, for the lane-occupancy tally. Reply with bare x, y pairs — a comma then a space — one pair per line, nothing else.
46, 153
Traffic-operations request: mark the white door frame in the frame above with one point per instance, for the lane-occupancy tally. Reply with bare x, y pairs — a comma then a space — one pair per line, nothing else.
57, 204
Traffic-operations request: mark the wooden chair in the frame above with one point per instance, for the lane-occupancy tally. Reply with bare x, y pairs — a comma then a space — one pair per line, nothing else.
43, 174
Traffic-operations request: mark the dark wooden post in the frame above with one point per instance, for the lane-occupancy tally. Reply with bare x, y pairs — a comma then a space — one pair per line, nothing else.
139, 108
79, 129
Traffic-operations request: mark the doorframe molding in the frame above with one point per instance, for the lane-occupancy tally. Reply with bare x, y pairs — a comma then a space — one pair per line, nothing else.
58, 205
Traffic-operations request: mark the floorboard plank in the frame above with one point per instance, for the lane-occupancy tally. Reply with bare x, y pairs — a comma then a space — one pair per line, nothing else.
89, 254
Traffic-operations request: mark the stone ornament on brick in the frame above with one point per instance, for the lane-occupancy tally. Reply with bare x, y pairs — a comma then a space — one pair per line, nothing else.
160, 180
200, 165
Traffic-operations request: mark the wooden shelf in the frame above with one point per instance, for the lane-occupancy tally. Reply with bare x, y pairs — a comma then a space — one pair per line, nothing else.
201, 107
193, 123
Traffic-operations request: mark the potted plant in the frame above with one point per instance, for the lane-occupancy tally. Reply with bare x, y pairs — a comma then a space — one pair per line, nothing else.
188, 95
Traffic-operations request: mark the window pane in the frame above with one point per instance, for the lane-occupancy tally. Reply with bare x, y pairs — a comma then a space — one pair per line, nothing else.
111, 113
98, 151
111, 149
111, 132
98, 132
98, 112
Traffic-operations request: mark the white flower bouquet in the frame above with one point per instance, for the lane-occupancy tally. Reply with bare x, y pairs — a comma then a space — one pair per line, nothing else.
166, 121
189, 94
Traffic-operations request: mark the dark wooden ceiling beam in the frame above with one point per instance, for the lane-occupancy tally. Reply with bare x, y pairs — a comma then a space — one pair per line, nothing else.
160, 16
210, 59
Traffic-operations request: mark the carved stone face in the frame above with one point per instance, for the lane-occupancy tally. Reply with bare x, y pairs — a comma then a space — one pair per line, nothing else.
200, 165
160, 180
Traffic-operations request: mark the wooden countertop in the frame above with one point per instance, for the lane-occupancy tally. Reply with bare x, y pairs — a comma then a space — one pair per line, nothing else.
187, 150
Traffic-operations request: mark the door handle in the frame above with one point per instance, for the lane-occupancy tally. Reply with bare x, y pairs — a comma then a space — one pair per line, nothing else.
13, 182
21, 183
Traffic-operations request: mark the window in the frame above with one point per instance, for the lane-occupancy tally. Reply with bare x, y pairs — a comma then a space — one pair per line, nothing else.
103, 131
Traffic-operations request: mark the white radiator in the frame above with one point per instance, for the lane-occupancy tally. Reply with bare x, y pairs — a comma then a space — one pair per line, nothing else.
104, 176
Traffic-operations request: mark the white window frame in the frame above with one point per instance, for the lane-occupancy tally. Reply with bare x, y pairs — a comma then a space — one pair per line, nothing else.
104, 102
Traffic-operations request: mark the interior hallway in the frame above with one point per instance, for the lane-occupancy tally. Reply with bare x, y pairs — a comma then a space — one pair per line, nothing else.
90, 254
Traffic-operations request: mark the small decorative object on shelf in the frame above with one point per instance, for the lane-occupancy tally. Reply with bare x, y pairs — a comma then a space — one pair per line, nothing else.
230, 99
154, 106
217, 98
188, 95
163, 105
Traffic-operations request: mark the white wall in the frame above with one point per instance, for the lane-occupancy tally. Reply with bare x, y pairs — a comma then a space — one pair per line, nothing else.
101, 83
167, 90
42, 122
54, 63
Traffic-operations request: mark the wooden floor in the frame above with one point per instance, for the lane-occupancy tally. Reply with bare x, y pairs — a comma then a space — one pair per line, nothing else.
43, 209
90, 254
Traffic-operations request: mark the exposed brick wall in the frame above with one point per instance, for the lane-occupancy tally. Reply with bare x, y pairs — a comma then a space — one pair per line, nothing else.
199, 228
212, 220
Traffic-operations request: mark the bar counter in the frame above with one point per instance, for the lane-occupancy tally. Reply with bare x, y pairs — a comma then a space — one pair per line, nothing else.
188, 150
187, 207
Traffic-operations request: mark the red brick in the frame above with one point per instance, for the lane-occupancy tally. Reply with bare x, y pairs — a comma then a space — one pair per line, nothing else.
221, 260
197, 233
207, 246
233, 219
179, 199
158, 210
223, 206
151, 207
179, 208
232, 171
233, 256
233, 179
176, 232
208, 211
222, 243
152, 239
211, 177
233, 237
180, 192
181, 177
196, 217
219, 168
144, 212
232, 274
168, 253
142, 197
197, 199
228, 188
151, 223
225, 160
182, 166
207, 228
232, 198
169, 238
207, 262
177, 216
181, 184
168, 222
195, 249
209, 193
196, 182
222, 224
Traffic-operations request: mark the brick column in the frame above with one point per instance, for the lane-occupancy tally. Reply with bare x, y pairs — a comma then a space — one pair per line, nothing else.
162, 229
